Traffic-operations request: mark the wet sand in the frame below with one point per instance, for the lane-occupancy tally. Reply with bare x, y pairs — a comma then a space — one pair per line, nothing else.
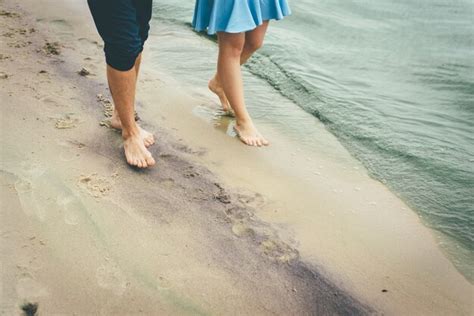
83, 233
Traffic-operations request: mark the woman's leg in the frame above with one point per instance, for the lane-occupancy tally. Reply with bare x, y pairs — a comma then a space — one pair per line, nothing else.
228, 68
216, 87
253, 42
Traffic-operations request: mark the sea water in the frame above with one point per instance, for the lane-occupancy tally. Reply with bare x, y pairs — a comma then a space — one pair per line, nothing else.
393, 81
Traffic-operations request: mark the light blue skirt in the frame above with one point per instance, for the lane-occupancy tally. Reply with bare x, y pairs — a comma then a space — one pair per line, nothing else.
236, 16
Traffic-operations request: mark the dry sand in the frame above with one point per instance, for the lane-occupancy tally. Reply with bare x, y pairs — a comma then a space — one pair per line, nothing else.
84, 234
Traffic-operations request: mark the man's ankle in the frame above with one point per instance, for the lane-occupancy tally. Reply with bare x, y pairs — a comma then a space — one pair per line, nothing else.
130, 132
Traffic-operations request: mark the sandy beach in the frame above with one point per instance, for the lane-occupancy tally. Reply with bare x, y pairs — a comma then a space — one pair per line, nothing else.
214, 228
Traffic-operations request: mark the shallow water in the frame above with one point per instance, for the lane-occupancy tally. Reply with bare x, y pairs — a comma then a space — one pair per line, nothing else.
393, 81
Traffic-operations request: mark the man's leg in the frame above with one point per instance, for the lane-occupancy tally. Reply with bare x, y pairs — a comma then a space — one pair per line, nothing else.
143, 13
138, 62
123, 84
115, 122
117, 23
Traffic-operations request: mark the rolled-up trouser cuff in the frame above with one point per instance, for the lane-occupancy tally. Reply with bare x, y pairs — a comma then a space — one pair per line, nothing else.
121, 59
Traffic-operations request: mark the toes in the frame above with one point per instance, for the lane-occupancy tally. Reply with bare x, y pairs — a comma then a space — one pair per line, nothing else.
251, 142
150, 161
142, 163
151, 140
254, 141
132, 161
147, 138
247, 141
264, 141
136, 153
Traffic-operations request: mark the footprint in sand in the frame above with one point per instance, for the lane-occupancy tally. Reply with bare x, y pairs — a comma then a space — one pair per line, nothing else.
23, 186
278, 250
109, 276
241, 229
67, 121
72, 209
255, 200
237, 213
163, 283
69, 150
60, 200
168, 183
29, 205
95, 185
45, 195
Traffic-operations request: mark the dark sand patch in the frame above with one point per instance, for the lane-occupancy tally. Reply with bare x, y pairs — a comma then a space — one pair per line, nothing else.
9, 14
52, 48
30, 309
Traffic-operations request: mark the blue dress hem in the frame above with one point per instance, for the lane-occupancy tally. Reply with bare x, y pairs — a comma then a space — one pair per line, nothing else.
213, 32
236, 16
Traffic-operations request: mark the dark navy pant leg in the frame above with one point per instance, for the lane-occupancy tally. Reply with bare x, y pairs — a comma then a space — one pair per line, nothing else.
119, 26
144, 13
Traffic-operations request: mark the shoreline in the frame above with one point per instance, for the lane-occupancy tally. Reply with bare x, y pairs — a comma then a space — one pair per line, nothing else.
201, 208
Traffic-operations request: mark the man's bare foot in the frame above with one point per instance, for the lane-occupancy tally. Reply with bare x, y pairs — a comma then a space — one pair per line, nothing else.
136, 153
216, 87
147, 137
249, 135
115, 121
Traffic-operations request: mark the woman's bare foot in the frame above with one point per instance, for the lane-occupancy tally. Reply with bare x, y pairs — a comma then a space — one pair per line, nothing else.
136, 153
147, 137
249, 135
216, 87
